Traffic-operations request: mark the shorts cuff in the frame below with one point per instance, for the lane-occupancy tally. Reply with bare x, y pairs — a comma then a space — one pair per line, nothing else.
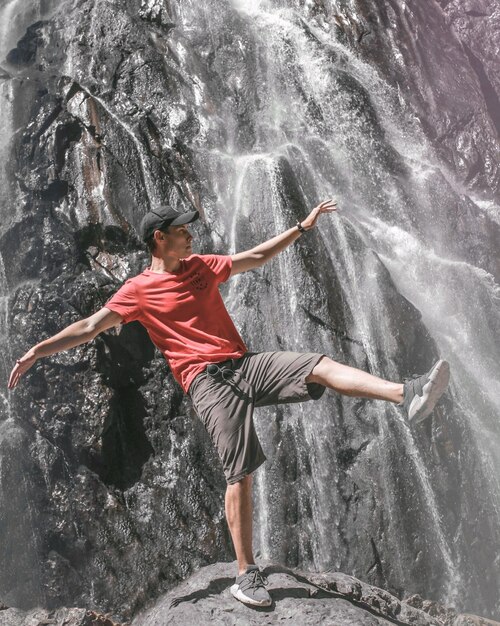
234, 479
315, 390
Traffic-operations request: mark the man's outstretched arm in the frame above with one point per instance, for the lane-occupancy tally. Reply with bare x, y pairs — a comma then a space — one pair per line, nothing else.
259, 255
73, 335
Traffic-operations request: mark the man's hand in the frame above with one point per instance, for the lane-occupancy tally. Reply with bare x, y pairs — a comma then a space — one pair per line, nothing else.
325, 207
21, 367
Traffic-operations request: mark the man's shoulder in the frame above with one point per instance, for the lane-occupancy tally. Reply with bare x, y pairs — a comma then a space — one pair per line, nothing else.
133, 280
131, 284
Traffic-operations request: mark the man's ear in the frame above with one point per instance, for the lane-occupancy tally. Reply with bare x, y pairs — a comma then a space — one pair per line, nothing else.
158, 235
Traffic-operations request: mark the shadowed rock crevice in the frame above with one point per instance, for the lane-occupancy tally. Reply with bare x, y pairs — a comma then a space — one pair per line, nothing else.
124, 445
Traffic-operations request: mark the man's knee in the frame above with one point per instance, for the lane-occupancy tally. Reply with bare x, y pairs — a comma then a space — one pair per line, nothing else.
320, 370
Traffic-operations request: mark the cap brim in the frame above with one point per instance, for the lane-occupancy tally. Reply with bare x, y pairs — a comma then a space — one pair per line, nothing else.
185, 218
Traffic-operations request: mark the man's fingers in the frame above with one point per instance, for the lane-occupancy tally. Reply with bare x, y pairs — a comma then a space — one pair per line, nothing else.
327, 204
15, 375
327, 208
12, 380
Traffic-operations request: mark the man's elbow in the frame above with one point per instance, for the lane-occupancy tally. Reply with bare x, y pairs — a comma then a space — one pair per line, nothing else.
101, 321
90, 329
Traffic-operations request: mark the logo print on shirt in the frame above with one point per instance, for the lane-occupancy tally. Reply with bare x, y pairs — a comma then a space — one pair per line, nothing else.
199, 282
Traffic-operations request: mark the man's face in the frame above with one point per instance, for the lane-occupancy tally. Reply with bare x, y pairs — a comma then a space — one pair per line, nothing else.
177, 241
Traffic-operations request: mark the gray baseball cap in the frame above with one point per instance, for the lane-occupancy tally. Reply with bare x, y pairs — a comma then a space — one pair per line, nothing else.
163, 217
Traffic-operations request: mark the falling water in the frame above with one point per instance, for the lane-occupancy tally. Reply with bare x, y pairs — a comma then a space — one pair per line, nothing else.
306, 115
7, 361
12, 24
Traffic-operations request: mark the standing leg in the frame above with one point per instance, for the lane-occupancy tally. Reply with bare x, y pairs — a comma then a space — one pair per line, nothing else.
353, 382
226, 410
249, 586
239, 519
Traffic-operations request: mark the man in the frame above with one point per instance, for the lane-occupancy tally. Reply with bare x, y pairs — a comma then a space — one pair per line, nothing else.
178, 301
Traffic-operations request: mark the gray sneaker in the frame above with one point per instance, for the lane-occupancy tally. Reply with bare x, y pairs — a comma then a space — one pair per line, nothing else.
250, 587
422, 392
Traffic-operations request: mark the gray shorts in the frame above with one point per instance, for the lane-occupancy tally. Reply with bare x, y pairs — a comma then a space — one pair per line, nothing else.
226, 406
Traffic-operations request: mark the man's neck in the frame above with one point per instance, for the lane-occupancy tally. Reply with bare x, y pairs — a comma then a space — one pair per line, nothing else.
160, 265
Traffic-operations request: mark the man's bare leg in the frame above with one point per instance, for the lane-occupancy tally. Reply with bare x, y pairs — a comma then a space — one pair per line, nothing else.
353, 382
239, 519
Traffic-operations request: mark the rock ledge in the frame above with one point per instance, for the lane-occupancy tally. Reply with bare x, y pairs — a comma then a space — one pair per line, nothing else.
298, 597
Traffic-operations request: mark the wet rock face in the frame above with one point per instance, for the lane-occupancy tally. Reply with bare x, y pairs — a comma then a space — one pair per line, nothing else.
445, 65
115, 107
476, 24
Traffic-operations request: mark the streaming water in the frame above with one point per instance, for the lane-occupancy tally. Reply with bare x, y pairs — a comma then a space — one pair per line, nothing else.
11, 15
6, 360
343, 132
21, 574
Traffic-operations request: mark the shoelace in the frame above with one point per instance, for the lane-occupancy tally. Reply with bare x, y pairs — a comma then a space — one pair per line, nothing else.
258, 579
412, 377
410, 383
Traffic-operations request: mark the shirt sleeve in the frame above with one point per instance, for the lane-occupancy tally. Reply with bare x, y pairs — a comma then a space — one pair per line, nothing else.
125, 302
219, 264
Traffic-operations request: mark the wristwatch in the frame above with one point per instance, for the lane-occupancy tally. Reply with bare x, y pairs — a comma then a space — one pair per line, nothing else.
300, 227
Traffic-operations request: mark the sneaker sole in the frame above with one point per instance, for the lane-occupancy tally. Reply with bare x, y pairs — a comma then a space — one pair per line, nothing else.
239, 595
432, 391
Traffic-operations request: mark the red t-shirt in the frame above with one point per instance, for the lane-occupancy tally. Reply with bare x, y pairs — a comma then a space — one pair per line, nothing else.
183, 313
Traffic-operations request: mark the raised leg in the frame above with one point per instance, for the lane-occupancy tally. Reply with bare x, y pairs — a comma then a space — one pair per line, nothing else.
353, 382
239, 519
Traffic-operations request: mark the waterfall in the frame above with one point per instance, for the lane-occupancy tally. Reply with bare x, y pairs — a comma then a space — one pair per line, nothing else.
343, 132
255, 111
